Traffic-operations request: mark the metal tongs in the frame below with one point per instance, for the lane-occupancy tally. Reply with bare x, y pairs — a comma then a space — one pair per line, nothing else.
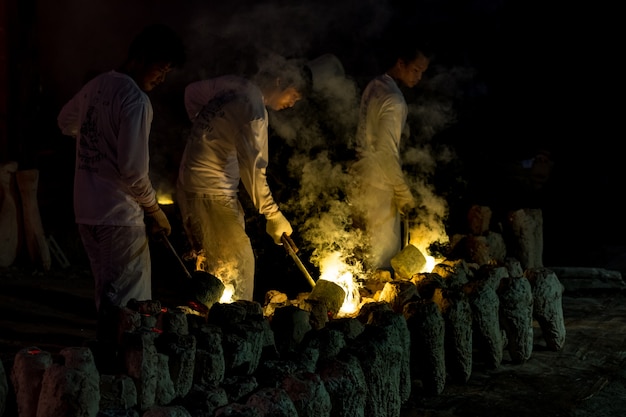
292, 250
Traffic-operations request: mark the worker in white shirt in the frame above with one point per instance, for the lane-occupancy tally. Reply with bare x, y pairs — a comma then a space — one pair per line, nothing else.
228, 144
383, 192
110, 118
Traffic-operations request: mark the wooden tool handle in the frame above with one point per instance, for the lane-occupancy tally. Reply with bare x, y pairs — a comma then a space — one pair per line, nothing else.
287, 241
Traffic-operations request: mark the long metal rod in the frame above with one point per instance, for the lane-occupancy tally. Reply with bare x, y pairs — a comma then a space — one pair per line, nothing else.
292, 251
180, 261
405, 232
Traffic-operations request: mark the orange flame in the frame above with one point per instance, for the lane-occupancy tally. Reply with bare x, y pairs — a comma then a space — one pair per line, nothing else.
333, 268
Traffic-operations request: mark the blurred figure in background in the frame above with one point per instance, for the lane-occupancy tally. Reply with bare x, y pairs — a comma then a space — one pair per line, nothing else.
382, 192
111, 117
228, 144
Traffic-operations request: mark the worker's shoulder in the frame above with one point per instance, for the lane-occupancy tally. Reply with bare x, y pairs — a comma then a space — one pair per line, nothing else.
231, 85
383, 85
383, 92
113, 86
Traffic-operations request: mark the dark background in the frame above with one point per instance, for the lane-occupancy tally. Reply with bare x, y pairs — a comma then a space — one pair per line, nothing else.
515, 77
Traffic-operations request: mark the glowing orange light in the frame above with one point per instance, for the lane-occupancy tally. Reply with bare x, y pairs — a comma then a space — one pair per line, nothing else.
334, 268
164, 198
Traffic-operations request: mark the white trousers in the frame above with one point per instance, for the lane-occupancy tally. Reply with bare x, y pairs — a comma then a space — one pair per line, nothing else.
376, 212
382, 226
120, 263
216, 225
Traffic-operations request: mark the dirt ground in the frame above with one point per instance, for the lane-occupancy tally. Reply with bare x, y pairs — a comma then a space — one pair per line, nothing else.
586, 378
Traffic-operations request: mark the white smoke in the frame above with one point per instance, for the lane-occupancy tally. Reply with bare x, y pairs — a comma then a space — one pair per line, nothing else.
328, 118
322, 213
320, 209
228, 38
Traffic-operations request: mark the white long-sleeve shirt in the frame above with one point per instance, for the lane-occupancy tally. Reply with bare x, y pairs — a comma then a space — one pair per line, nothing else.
382, 118
110, 117
228, 142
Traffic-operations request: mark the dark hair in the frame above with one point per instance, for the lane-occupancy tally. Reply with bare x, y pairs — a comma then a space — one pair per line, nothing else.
404, 44
158, 43
290, 71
